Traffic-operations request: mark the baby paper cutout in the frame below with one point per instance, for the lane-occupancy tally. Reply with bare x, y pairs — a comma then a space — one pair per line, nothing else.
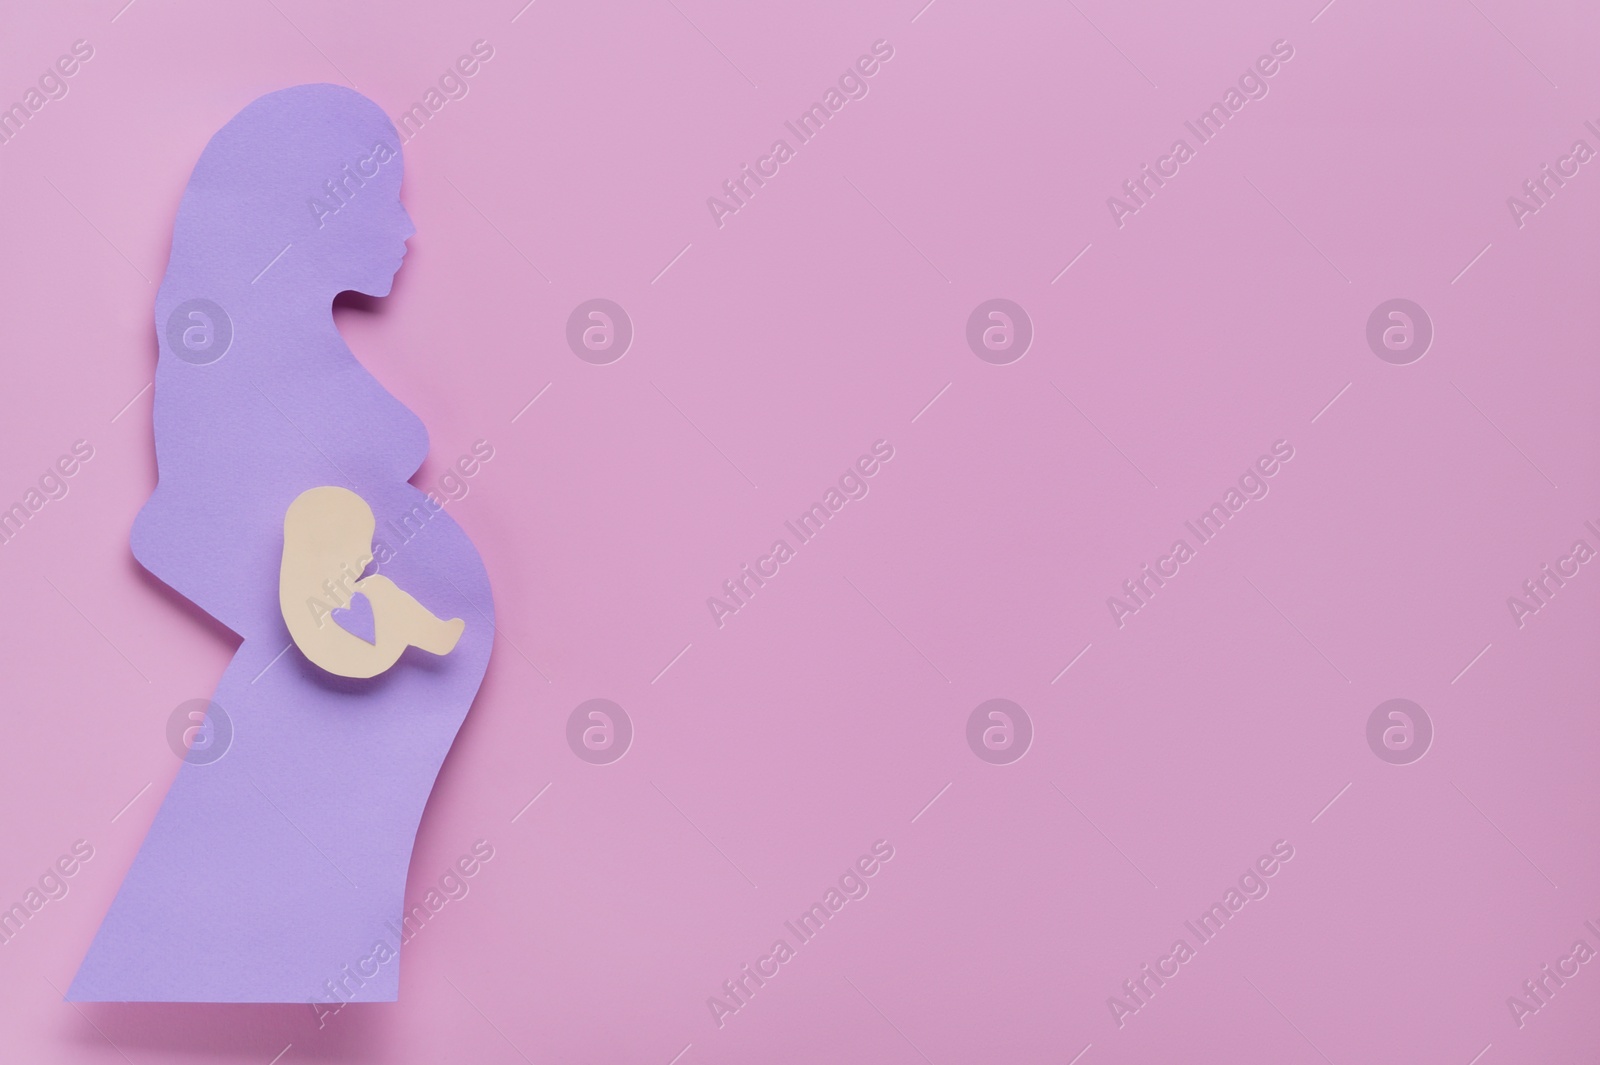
275, 873
327, 543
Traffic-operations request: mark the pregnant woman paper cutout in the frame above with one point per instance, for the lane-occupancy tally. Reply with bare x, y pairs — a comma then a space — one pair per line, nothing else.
276, 873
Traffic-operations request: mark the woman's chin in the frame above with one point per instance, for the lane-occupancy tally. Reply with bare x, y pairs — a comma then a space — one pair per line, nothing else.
376, 287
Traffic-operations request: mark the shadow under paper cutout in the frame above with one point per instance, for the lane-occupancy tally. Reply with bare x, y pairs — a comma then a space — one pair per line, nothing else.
276, 873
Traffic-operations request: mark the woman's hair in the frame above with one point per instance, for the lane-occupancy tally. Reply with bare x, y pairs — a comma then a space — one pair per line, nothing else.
275, 177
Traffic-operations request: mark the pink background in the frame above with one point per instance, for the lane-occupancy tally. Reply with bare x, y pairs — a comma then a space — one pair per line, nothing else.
827, 714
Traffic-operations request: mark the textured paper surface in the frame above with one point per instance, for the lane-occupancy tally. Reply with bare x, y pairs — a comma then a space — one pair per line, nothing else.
824, 316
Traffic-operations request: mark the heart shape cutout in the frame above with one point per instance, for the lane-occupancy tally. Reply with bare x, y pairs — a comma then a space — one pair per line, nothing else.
357, 619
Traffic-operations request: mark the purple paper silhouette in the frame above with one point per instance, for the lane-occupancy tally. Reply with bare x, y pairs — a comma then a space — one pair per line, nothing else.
276, 873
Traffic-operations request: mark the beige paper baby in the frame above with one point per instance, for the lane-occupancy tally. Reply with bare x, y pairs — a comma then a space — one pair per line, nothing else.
327, 543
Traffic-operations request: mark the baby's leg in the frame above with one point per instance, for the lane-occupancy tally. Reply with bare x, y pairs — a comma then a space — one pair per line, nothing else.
401, 619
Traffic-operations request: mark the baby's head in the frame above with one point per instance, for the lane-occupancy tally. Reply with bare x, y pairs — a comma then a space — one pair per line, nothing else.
329, 523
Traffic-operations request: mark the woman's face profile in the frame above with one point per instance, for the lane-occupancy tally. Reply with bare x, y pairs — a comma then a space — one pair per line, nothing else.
300, 190
374, 245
